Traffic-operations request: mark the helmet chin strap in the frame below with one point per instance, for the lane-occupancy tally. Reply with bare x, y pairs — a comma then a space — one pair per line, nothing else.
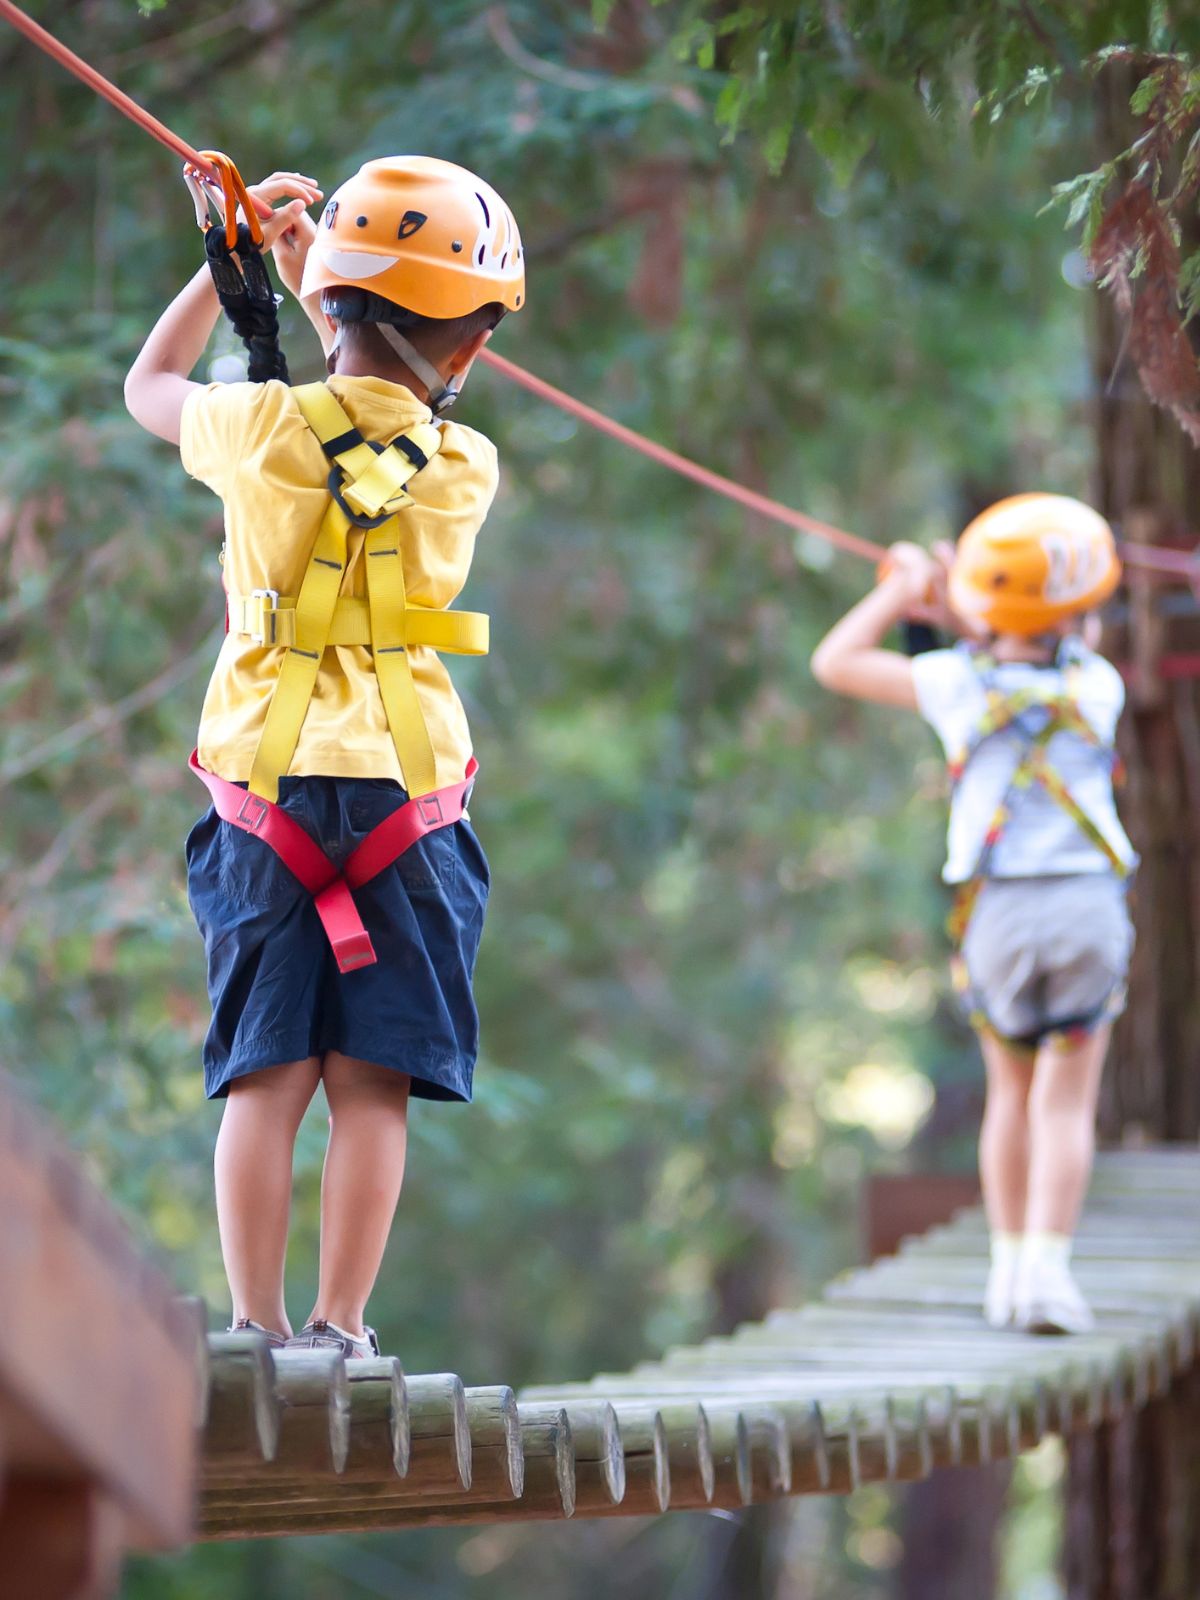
442, 395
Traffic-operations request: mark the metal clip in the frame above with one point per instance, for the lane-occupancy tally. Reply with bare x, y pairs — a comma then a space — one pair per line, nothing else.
267, 611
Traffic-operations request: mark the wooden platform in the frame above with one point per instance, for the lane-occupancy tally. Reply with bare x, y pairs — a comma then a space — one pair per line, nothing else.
890, 1374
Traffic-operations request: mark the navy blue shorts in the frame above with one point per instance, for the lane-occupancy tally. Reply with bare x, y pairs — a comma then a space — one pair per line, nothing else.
275, 989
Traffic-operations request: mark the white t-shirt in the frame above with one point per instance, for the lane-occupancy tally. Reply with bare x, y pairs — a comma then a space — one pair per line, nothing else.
1041, 838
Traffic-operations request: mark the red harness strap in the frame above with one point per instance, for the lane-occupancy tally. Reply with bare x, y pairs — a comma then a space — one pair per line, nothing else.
306, 861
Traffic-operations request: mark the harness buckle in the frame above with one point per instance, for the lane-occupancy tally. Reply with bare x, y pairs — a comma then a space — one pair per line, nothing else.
253, 812
267, 611
336, 486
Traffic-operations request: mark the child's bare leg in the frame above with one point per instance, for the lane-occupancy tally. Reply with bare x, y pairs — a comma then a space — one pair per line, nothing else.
1004, 1136
364, 1168
253, 1170
1062, 1122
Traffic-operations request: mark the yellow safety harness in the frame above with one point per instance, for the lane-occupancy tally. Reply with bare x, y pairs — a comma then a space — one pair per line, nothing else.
1004, 711
368, 490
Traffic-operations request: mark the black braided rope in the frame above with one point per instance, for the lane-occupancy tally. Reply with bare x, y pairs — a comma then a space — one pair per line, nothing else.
248, 301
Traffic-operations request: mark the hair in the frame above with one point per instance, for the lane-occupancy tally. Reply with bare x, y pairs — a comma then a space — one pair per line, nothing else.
434, 337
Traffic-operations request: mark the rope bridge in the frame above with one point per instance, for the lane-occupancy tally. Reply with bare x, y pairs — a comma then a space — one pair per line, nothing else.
888, 1375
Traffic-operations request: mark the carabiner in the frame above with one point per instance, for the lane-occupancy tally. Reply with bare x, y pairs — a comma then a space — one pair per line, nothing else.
233, 193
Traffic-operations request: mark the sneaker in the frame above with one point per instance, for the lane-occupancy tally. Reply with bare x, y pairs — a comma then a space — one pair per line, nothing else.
999, 1297
321, 1335
275, 1341
1048, 1300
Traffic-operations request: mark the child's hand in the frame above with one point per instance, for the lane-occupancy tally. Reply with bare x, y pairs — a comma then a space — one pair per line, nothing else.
914, 578
290, 230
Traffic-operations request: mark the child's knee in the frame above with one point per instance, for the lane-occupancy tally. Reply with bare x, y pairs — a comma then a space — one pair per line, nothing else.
350, 1082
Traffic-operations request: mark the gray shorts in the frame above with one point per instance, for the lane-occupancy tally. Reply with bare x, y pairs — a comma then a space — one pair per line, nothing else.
1048, 955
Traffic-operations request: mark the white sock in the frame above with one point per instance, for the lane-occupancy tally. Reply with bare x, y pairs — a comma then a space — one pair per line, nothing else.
1047, 1249
1005, 1248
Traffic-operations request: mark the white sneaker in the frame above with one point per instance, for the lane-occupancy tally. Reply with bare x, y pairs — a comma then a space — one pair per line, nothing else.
1048, 1300
999, 1298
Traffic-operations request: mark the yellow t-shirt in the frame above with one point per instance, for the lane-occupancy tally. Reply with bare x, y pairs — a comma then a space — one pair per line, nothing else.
250, 445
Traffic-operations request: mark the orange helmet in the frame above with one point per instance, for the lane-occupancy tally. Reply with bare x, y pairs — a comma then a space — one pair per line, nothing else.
423, 234
1031, 560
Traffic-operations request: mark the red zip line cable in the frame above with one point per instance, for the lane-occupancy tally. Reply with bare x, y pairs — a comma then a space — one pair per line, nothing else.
1181, 563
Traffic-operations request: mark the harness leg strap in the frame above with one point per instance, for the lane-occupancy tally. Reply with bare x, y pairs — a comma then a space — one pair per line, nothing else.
304, 858
343, 926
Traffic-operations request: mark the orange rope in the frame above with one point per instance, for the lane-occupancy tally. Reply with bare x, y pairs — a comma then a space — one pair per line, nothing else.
1176, 562
97, 81
749, 498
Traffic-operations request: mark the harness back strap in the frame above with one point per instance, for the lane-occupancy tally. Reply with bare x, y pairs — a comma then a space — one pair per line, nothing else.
307, 862
1034, 766
367, 489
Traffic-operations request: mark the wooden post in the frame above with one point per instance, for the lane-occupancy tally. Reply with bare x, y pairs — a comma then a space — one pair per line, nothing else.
61, 1539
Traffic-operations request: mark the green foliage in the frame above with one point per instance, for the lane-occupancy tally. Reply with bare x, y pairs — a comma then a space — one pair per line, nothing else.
876, 75
715, 894
824, 70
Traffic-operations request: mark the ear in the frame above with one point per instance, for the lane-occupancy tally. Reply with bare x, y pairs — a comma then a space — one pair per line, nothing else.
460, 363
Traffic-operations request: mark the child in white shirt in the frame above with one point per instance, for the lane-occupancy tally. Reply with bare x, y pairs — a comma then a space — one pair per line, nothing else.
1027, 714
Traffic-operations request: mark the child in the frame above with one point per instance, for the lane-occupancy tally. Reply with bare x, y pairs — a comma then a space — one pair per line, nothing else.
350, 518
1027, 716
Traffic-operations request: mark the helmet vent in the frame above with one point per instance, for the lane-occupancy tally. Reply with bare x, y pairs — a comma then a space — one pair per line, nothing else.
409, 224
487, 216
331, 211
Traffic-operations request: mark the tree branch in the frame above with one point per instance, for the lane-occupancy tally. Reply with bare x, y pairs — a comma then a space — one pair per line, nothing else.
104, 717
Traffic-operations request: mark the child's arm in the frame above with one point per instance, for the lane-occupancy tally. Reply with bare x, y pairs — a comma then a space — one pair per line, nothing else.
850, 660
158, 383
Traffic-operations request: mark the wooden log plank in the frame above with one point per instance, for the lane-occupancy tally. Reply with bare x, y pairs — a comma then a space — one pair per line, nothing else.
549, 1493
440, 1449
314, 1411
643, 1436
242, 1411
548, 1444
599, 1457
380, 1438
688, 1472
730, 1454
496, 1471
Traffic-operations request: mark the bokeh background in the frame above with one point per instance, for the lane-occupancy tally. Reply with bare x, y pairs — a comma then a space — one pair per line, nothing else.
712, 987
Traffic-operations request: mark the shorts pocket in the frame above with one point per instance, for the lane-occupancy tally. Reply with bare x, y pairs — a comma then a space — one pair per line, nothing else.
431, 865
250, 872
428, 867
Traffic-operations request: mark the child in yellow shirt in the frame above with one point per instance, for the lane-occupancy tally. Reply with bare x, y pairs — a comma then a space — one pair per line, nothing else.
337, 883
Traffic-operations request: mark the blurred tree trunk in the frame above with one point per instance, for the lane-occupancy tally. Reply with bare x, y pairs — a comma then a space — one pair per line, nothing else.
949, 1525
1148, 482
